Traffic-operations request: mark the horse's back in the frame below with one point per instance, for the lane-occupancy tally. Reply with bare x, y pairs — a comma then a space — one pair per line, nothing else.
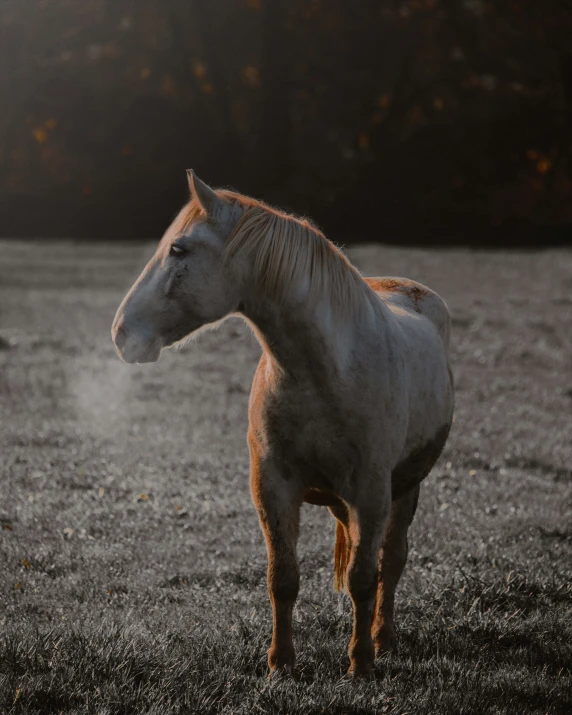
403, 293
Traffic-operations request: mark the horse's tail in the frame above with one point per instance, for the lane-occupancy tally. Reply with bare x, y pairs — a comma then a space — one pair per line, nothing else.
341, 557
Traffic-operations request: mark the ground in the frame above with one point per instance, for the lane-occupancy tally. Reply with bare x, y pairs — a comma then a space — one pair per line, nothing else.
132, 566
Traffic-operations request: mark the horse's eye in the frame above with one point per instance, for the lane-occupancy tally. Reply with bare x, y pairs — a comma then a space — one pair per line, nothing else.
176, 250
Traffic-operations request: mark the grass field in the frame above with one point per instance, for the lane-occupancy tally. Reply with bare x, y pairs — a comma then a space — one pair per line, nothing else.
132, 566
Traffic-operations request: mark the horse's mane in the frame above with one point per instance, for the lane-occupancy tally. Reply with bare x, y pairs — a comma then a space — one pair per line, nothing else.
290, 253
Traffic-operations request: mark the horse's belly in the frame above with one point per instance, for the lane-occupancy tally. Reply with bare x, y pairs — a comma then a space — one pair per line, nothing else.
321, 497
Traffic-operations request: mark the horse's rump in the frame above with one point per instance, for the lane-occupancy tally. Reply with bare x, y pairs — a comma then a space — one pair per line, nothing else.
414, 296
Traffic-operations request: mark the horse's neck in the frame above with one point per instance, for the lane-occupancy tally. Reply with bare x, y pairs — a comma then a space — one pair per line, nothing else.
308, 342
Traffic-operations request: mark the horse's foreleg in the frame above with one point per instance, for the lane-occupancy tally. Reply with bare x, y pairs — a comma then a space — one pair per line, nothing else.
392, 558
279, 517
366, 528
281, 532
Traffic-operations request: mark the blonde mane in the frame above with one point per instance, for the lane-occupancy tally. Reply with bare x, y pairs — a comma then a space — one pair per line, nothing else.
290, 254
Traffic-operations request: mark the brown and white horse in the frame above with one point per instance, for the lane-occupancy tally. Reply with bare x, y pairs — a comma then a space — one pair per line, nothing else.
351, 403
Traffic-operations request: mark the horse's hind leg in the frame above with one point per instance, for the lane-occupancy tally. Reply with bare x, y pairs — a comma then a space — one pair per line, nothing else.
393, 556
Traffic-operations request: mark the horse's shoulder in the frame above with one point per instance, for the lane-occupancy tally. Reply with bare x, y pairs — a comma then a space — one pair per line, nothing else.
415, 296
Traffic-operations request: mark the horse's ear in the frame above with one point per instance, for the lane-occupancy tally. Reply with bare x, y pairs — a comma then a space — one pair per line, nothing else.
203, 193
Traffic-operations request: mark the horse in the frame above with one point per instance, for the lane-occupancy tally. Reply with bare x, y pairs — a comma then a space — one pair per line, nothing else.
351, 402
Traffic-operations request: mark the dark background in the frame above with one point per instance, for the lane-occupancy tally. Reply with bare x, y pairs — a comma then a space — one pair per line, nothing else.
428, 121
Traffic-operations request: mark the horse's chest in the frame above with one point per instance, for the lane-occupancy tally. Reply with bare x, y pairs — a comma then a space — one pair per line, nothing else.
314, 446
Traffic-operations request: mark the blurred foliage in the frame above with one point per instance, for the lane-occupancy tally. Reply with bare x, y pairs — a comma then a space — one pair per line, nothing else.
382, 119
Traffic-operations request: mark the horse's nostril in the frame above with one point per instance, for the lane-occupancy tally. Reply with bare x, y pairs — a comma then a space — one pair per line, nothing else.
120, 337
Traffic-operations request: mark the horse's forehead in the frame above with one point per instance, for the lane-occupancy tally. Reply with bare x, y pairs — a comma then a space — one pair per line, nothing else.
190, 218
181, 224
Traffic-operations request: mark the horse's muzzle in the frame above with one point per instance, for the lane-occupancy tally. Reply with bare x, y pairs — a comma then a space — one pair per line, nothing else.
133, 347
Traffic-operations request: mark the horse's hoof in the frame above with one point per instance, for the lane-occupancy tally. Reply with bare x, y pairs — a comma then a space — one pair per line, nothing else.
385, 642
361, 671
283, 672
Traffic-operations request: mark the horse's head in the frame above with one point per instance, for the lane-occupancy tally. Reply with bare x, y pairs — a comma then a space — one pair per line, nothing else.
186, 284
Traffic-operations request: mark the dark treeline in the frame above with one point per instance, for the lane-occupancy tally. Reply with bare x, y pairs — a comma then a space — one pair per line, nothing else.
427, 120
